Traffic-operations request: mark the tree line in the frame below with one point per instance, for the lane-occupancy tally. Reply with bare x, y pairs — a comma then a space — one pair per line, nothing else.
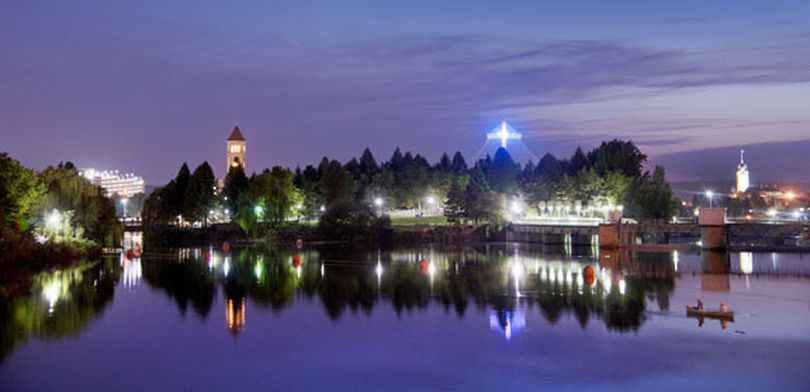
342, 195
54, 206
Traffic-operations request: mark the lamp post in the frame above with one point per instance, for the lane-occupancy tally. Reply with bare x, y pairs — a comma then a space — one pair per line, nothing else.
710, 195
124, 208
379, 203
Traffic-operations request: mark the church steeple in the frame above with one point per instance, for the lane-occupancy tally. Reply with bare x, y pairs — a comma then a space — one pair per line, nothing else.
743, 181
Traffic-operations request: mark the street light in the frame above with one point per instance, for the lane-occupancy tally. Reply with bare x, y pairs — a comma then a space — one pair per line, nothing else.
710, 195
259, 211
378, 202
124, 207
515, 207
53, 219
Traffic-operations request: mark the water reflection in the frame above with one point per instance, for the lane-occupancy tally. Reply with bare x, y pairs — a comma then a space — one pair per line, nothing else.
235, 315
54, 304
506, 280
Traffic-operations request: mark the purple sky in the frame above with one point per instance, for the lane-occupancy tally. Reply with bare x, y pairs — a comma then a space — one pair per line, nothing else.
142, 86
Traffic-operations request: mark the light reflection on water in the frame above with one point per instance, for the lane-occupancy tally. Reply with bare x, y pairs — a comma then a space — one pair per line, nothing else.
521, 293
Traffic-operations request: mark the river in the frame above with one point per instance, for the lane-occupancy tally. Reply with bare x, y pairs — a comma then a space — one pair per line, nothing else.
489, 317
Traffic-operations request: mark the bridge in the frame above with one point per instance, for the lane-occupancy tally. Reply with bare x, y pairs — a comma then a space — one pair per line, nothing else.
628, 234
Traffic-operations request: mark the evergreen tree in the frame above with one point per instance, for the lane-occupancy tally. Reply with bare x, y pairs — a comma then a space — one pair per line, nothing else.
456, 201
236, 184
502, 173
397, 161
459, 165
549, 168
368, 165
579, 162
199, 196
176, 190
444, 163
476, 189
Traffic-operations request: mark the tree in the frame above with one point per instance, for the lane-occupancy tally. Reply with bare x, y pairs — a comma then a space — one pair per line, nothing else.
397, 161
368, 165
343, 211
578, 162
177, 190
199, 194
236, 184
92, 215
549, 168
617, 155
454, 206
476, 188
502, 174
20, 191
650, 197
459, 165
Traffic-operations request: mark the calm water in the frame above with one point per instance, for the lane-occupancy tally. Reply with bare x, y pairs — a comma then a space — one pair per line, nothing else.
485, 318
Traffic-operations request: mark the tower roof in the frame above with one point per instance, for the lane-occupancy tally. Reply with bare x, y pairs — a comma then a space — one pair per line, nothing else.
236, 134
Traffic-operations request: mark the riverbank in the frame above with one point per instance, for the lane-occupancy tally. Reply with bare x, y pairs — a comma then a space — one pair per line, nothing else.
24, 251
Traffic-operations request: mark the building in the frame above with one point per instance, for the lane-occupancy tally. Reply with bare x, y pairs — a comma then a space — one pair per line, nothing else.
742, 174
112, 182
237, 149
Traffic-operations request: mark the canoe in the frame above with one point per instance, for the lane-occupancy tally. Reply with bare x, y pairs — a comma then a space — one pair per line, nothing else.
692, 310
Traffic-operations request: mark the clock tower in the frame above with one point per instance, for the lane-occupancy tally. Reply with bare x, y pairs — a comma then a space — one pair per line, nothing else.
237, 151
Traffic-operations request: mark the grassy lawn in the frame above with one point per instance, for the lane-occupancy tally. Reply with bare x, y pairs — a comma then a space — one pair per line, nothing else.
414, 221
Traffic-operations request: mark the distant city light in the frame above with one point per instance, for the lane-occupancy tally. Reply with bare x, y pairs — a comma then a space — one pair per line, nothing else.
772, 212
113, 182
790, 195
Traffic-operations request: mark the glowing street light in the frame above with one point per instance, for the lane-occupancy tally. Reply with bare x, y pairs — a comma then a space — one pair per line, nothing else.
710, 195
124, 207
378, 202
53, 220
259, 211
431, 200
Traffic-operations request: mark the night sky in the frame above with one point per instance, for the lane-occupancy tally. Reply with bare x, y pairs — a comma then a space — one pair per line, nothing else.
144, 85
